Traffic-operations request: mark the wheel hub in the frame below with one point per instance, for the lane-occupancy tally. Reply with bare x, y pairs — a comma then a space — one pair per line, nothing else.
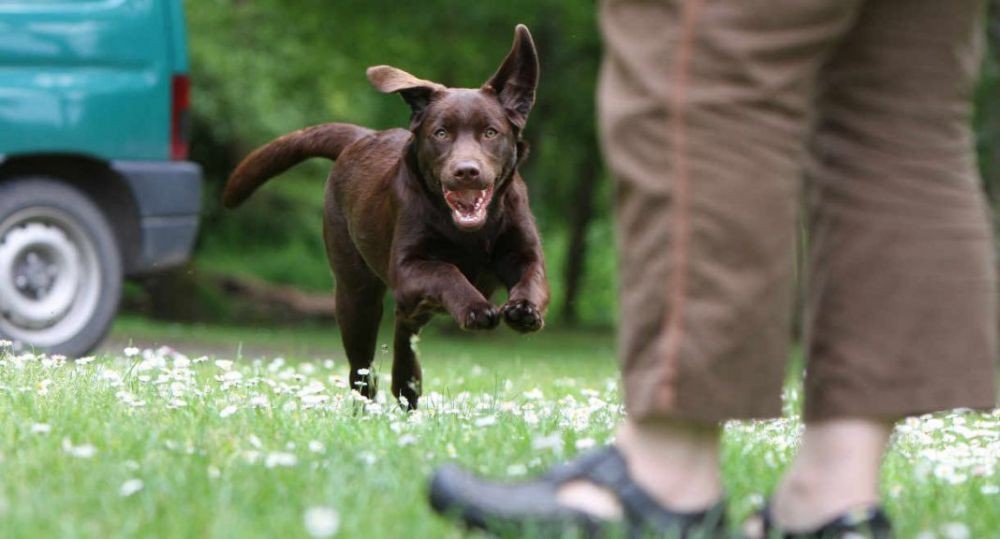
35, 276
39, 274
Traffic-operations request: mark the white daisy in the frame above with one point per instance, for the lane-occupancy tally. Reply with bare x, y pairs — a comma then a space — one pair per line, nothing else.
321, 522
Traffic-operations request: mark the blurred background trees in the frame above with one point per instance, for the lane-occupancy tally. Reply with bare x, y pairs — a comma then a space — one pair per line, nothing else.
261, 68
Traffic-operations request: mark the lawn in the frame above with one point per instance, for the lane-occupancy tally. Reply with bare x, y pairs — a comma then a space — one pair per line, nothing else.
259, 437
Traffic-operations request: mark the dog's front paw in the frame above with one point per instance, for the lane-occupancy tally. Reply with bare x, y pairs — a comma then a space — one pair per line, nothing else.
480, 316
522, 315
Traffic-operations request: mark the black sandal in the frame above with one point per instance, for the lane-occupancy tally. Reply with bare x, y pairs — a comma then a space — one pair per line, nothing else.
532, 507
859, 523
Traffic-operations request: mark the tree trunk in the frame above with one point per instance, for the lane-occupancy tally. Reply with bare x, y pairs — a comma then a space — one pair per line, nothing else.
581, 213
991, 123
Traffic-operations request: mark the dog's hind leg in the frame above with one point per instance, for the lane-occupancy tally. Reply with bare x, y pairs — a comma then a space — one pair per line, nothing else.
406, 374
359, 294
359, 312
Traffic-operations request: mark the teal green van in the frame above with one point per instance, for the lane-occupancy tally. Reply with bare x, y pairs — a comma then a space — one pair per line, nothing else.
95, 184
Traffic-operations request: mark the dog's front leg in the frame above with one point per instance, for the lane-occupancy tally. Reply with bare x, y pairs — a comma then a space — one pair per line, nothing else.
422, 285
524, 274
520, 265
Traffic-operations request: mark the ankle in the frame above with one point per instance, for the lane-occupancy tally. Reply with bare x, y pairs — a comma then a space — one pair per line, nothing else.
836, 469
805, 503
677, 463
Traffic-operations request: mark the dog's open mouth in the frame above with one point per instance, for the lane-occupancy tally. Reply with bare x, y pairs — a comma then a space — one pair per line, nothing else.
468, 206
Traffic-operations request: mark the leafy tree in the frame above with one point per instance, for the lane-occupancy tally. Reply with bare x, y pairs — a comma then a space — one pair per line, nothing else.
262, 68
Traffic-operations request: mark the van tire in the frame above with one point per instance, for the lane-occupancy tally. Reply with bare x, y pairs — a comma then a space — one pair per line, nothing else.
60, 267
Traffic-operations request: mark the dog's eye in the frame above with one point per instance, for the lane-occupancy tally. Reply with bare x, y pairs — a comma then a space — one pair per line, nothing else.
490, 132
441, 133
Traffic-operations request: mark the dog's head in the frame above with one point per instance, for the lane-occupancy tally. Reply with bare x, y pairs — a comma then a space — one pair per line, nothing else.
467, 141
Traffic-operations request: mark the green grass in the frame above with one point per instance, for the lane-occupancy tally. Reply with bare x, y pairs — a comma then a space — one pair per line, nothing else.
248, 454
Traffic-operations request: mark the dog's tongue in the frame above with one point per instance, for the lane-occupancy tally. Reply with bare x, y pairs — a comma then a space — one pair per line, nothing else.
468, 206
466, 196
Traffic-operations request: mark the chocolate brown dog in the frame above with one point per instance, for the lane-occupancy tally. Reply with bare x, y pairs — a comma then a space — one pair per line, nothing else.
438, 213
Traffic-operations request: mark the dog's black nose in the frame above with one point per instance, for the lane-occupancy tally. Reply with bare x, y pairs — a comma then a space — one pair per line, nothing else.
467, 170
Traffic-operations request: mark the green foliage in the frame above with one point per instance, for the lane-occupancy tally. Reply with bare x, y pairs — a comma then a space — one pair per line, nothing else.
276, 235
598, 305
262, 68
987, 119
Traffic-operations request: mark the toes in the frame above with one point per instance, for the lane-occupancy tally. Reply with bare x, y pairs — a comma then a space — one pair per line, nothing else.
522, 316
481, 317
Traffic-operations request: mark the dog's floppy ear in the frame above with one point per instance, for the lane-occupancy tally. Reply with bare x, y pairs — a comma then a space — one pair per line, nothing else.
416, 92
517, 78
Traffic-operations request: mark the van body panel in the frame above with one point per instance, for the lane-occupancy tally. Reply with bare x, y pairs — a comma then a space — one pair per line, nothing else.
93, 78
90, 77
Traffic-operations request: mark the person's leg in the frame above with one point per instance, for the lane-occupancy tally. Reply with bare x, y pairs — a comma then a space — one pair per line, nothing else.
902, 315
704, 110
676, 462
835, 469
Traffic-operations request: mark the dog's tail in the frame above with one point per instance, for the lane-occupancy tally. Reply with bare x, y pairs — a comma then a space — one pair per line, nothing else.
277, 156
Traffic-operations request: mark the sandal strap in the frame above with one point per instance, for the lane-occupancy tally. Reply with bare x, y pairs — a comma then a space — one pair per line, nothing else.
865, 522
607, 468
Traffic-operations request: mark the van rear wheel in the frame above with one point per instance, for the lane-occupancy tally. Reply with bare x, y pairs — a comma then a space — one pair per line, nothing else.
60, 267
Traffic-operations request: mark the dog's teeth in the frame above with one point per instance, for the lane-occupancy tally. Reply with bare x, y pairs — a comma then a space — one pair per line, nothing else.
468, 206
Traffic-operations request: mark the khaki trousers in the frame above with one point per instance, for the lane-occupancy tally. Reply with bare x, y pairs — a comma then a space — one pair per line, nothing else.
712, 114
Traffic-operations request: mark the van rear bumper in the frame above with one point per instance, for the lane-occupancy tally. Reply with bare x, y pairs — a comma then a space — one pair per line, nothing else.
167, 195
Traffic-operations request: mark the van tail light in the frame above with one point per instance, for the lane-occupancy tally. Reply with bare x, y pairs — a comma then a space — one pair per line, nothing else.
180, 101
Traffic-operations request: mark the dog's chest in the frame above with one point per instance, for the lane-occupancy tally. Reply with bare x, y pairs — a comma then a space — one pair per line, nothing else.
474, 258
